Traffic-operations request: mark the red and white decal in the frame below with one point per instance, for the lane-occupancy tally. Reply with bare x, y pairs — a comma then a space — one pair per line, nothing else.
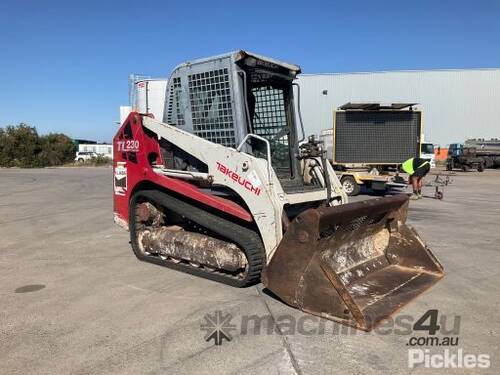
130, 145
247, 184
120, 180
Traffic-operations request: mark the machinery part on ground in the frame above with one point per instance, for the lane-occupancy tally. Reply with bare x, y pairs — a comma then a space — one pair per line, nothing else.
350, 186
356, 263
221, 190
236, 257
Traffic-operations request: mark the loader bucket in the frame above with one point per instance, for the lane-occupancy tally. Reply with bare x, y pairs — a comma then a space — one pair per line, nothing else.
356, 263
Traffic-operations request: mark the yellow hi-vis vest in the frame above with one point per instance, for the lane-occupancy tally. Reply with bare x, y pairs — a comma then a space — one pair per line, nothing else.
407, 166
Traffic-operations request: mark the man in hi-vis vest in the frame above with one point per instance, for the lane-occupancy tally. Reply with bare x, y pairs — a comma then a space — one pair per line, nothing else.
417, 168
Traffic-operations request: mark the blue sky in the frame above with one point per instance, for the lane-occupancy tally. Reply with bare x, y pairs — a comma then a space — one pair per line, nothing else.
65, 64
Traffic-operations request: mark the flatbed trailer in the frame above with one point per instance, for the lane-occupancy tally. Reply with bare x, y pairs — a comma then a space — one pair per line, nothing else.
353, 180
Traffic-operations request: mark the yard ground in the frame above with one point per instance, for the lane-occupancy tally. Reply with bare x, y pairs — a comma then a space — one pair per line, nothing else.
96, 309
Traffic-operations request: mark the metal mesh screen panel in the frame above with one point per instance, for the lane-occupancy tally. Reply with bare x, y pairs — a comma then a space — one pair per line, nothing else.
269, 120
211, 106
376, 136
175, 112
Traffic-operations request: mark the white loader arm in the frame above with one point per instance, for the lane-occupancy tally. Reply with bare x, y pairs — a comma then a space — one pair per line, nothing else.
243, 173
250, 177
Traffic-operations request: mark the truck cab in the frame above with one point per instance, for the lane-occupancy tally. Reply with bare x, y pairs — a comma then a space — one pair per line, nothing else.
455, 149
427, 152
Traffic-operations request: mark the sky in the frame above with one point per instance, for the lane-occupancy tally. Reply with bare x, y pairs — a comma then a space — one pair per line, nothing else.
65, 64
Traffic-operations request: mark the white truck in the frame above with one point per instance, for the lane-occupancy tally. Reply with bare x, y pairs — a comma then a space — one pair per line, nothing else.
427, 152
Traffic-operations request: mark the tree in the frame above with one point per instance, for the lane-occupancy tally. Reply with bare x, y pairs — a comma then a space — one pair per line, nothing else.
57, 149
21, 146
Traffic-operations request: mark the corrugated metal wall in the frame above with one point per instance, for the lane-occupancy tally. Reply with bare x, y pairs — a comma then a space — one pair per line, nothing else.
456, 104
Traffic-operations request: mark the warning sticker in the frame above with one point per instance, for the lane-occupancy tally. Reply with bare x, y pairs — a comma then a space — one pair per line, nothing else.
254, 179
120, 181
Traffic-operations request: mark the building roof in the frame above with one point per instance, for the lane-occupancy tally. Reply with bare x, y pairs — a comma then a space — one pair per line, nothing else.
450, 70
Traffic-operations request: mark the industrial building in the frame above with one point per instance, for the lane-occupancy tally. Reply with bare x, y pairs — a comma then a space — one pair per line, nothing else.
456, 104
104, 149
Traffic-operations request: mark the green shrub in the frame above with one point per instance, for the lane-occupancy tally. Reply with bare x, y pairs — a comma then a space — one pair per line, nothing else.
57, 149
21, 146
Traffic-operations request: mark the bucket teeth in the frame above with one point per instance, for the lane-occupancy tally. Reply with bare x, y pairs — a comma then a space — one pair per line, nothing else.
357, 263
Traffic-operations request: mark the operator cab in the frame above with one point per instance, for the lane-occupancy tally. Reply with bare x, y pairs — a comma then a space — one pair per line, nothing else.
225, 98
268, 88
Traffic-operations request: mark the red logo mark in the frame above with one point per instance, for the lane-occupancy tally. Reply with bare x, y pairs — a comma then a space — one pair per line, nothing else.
237, 178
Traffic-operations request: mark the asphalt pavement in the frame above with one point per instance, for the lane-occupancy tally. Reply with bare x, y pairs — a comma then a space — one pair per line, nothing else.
75, 300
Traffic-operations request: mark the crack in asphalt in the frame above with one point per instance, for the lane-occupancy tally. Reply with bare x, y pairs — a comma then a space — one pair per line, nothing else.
284, 340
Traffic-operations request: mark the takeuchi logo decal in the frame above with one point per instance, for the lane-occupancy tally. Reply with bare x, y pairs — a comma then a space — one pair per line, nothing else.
237, 178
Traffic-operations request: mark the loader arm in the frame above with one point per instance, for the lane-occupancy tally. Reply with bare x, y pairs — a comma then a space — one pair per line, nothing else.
247, 175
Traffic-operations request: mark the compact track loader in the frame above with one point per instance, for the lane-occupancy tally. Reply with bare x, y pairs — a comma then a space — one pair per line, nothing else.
226, 186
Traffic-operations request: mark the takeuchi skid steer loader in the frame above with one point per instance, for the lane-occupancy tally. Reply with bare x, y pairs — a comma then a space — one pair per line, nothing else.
226, 187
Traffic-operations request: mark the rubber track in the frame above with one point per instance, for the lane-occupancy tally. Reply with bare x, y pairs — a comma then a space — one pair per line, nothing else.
245, 238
